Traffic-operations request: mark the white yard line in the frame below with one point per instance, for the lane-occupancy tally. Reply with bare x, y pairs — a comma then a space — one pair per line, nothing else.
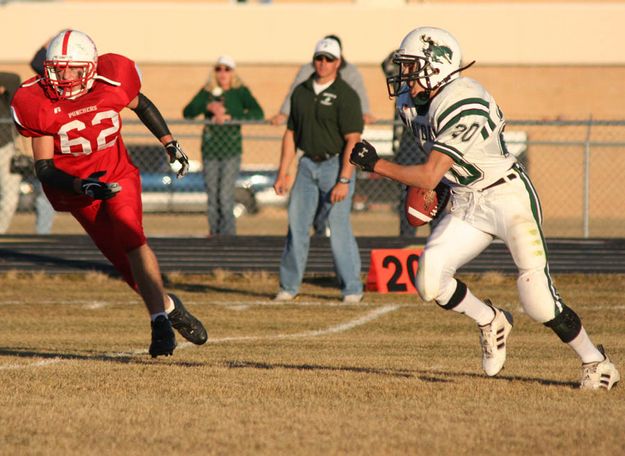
342, 327
320, 332
42, 363
95, 305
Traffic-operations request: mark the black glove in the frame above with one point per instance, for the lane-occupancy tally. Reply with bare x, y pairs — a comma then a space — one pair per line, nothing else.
96, 189
364, 156
176, 154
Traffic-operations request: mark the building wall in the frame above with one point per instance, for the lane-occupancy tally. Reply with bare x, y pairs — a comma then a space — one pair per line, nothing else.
516, 33
574, 72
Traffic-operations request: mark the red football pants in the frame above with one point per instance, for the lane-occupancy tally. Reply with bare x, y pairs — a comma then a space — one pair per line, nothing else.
116, 225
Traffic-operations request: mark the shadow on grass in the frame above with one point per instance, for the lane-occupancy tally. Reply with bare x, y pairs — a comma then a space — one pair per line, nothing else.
36, 261
203, 288
121, 358
316, 367
322, 281
426, 376
515, 378
239, 290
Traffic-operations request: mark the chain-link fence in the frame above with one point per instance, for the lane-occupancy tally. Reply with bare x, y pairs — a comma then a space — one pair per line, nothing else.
578, 168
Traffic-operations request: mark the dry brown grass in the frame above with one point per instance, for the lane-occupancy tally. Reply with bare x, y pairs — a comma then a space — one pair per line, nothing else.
391, 376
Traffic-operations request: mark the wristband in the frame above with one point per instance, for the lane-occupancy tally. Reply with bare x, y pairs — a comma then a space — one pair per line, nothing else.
344, 180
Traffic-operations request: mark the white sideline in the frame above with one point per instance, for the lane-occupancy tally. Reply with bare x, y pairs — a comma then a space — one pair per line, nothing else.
366, 318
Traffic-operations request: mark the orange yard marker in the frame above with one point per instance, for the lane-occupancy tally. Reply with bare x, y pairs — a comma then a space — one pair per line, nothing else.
393, 270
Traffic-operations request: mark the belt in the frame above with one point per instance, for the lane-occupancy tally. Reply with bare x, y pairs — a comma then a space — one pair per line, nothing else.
318, 158
503, 180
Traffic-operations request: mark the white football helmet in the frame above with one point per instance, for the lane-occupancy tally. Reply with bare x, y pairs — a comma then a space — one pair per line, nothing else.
73, 52
428, 55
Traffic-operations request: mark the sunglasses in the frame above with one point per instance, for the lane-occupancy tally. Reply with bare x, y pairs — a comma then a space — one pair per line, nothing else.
222, 68
320, 58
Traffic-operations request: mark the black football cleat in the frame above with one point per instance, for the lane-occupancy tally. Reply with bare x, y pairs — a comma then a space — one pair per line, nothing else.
186, 324
163, 338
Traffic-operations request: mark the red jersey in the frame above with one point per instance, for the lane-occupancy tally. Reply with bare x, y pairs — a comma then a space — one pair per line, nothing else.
86, 130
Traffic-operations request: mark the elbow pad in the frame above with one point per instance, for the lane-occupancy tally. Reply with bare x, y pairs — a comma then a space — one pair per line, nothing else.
50, 175
151, 117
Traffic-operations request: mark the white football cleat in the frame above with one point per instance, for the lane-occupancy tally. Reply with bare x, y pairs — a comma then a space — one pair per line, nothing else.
600, 374
493, 337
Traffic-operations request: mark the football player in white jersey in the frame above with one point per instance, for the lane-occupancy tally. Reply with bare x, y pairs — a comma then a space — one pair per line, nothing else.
459, 125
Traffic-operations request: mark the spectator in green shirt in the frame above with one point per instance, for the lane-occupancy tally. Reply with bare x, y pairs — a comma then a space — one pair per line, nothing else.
325, 122
223, 99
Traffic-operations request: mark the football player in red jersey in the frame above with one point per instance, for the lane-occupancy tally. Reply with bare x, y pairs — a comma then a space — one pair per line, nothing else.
72, 116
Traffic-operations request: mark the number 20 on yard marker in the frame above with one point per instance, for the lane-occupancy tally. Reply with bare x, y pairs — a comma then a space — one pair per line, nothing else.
393, 270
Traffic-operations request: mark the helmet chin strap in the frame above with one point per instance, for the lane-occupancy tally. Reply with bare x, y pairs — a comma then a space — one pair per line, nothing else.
448, 77
422, 98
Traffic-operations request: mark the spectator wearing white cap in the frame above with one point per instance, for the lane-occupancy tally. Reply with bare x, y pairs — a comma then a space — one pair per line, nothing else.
324, 123
349, 73
224, 98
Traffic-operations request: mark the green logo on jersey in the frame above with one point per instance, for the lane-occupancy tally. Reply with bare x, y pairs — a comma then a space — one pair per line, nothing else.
436, 52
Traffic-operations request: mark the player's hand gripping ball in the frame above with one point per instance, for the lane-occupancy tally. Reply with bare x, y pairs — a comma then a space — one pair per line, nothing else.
422, 206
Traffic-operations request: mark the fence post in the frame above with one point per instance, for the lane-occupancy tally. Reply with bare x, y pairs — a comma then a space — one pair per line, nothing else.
586, 196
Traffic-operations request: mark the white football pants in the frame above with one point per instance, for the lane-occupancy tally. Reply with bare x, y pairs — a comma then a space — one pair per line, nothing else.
510, 212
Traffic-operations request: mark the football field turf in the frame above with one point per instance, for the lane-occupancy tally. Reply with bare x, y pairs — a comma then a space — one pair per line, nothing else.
393, 375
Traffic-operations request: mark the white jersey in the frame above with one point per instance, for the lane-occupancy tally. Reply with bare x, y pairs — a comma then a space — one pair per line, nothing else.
463, 122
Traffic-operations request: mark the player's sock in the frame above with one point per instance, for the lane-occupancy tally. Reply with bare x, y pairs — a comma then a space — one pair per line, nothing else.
158, 314
458, 297
169, 305
474, 308
585, 349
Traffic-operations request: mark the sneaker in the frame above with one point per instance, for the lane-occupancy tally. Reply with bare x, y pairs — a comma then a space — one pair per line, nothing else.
352, 298
493, 338
163, 337
283, 296
600, 374
186, 324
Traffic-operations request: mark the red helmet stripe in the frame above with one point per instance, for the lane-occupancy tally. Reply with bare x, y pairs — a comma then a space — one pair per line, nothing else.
66, 41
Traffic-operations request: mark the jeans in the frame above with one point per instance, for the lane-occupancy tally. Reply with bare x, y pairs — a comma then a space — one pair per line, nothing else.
220, 176
315, 181
44, 211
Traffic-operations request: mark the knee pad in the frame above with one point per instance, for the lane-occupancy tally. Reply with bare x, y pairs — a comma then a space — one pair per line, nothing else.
459, 294
566, 325
538, 296
432, 284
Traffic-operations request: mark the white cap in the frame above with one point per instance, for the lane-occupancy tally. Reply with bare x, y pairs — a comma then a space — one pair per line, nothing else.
328, 47
226, 60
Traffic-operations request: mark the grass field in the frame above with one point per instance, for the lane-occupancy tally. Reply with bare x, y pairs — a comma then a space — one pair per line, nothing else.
392, 375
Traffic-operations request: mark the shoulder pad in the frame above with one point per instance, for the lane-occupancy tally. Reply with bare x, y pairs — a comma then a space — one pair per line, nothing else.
120, 71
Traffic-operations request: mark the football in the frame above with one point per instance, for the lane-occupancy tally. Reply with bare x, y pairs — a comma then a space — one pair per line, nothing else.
423, 205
